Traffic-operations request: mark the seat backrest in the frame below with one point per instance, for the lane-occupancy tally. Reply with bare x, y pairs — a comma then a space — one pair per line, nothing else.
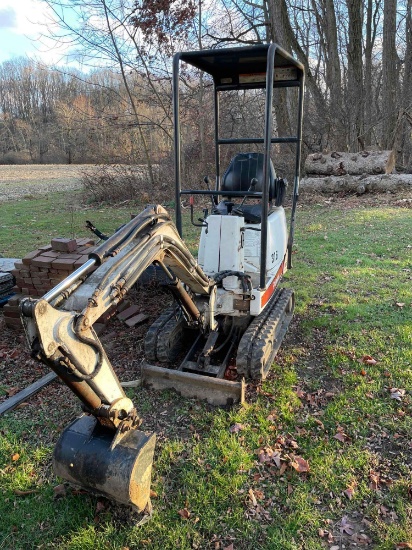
242, 169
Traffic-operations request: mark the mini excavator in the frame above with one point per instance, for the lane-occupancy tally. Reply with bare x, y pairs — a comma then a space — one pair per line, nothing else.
229, 311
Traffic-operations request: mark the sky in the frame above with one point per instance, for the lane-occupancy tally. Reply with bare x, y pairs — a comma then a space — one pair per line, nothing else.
22, 23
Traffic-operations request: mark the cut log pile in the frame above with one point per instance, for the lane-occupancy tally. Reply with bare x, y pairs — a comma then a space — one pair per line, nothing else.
43, 269
353, 172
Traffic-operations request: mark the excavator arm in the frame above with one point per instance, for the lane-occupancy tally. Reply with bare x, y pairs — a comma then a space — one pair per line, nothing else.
60, 325
59, 328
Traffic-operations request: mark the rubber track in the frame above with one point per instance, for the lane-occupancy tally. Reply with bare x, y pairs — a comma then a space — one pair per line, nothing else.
152, 335
261, 340
171, 340
166, 337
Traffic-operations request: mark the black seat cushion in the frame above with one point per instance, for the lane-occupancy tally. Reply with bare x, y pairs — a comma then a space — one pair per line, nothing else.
243, 168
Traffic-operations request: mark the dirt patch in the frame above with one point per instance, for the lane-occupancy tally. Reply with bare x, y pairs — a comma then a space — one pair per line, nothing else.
19, 181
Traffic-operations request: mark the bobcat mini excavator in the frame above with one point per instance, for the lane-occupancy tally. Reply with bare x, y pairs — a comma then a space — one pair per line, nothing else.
229, 311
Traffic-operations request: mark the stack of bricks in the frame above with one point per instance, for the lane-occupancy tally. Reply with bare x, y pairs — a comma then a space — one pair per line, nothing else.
43, 269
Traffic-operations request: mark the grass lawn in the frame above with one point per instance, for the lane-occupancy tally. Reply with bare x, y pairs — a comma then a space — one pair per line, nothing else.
319, 457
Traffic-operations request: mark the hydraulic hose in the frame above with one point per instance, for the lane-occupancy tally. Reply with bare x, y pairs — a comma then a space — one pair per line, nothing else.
126, 234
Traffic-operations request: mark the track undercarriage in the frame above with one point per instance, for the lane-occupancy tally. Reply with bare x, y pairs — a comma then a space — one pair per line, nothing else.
241, 347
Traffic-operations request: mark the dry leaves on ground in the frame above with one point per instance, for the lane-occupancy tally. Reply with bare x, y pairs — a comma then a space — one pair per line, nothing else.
184, 513
236, 428
397, 393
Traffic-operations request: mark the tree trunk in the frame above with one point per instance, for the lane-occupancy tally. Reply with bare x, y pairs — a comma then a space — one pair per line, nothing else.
340, 164
279, 21
357, 184
406, 145
390, 74
200, 95
326, 24
355, 99
368, 73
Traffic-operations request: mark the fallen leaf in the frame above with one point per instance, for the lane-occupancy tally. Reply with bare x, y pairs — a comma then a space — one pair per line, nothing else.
283, 468
368, 360
12, 391
59, 491
400, 304
153, 494
21, 405
374, 481
342, 437
361, 539
15, 457
259, 494
349, 492
397, 393
230, 547
403, 545
252, 497
236, 428
184, 513
300, 464
320, 423
345, 526
24, 493
290, 489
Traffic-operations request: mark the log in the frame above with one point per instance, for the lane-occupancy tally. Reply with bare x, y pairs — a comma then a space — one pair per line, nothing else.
357, 184
355, 164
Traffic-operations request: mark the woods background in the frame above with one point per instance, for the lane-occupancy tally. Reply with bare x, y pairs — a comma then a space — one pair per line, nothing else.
118, 109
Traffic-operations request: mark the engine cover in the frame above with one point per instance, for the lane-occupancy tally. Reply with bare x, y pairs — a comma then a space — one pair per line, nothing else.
228, 243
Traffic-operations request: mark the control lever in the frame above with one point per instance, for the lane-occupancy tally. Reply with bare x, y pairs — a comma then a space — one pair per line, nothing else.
212, 197
205, 212
253, 184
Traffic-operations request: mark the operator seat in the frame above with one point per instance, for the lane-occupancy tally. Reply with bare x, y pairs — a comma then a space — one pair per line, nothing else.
242, 169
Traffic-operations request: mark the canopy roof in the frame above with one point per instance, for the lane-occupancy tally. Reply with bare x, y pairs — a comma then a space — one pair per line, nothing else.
245, 67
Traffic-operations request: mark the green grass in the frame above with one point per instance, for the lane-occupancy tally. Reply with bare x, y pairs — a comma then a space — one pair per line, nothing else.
351, 269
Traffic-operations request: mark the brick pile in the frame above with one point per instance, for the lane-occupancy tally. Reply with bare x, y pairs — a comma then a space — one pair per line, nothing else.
43, 269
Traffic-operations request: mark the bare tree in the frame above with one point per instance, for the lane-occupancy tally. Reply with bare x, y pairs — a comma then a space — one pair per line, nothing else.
390, 69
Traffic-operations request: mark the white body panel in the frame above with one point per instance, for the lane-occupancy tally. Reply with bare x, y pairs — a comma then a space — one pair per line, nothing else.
276, 246
228, 243
221, 245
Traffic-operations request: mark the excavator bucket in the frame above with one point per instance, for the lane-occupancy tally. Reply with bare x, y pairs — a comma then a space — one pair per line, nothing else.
85, 455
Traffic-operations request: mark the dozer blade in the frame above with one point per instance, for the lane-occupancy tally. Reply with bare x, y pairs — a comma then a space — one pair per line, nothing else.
83, 457
216, 391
